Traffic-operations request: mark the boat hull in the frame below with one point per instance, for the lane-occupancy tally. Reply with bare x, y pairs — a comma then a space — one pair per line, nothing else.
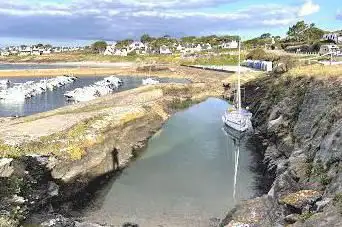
234, 125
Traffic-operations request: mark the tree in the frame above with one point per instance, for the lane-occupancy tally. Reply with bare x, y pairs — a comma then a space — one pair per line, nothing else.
145, 38
39, 45
48, 46
305, 32
265, 36
99, 46
124, 43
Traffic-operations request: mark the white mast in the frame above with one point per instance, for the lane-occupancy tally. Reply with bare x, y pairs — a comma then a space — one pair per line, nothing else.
239, 82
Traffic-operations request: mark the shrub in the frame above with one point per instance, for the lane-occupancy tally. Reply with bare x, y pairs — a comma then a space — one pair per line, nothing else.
260, 54
256, 54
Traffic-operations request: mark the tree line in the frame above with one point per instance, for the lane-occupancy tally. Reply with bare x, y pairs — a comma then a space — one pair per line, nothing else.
300, 32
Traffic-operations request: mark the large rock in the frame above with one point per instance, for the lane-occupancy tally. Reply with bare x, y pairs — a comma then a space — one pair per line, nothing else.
298, 164
301, 198
329, 218
284, 184
261, 211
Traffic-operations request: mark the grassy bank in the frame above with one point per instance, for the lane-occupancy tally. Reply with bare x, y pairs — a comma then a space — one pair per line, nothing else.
200, 58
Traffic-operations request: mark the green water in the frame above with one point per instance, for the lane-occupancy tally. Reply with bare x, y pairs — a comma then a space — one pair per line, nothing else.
184, 178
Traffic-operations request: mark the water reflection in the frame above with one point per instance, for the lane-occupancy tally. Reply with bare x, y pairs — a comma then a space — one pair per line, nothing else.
185, 177
236, 137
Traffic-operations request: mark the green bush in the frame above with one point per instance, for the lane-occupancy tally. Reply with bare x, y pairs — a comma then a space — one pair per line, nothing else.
260, 54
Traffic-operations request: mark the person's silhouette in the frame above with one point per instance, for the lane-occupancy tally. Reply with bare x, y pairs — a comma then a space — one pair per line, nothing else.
115, 155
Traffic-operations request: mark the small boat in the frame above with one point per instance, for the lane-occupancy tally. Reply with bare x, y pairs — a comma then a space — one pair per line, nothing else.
5, 83
149, 81
98, 89
235, 117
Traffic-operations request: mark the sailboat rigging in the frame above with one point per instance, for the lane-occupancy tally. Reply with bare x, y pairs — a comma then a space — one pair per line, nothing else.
235, 117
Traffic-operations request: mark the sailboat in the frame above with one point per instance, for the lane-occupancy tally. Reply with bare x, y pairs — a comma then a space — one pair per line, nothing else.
235, 117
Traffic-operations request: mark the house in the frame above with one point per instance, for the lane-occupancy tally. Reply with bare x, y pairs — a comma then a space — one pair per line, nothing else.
120, 52
110, 49
25, 51
4, 53
207, 46
329, 49
197, 48
37, 50
136, 45
47, 51
180, 48
165, 50
56, 50
334, 37
230, 45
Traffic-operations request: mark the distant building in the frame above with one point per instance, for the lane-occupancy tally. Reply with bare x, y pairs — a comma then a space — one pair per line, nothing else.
230, 45
120, 52
165, 50
110, 49
180, 48
136, 45
334, 37
207, 46
4, 53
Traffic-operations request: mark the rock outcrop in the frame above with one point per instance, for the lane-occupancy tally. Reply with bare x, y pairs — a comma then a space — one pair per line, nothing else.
300, 120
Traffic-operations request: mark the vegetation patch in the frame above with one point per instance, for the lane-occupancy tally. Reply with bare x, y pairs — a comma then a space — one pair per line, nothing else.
306, 215
180, 104
319, 173
337, 201
7, 222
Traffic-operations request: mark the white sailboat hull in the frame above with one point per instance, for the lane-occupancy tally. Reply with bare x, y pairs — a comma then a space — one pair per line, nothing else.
237, 121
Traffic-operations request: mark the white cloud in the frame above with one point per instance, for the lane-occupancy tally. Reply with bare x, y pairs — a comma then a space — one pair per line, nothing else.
116, 19
308, 8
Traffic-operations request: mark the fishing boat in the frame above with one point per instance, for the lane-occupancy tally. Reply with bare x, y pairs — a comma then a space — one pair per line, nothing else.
235, 117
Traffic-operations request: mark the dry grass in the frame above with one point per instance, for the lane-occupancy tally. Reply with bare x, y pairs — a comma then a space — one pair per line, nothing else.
245, 77
317, 71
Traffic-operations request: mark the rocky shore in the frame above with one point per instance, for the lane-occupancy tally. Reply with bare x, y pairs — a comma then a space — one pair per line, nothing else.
299, 121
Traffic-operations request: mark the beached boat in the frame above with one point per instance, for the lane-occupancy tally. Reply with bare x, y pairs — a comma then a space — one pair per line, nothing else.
149, 81
98, 89
22, 91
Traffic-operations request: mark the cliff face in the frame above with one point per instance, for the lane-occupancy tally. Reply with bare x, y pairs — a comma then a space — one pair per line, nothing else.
299, 121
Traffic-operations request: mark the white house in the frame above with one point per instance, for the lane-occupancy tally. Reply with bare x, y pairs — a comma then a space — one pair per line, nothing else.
230, 45
197, 48
120, 52
47, 51
25, 50
165, 50
207, 46
136, 45
4, 53
335, 37
56, 50
110, 49
180, 47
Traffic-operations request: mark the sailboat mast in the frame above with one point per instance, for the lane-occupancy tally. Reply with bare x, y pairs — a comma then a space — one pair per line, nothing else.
239, 81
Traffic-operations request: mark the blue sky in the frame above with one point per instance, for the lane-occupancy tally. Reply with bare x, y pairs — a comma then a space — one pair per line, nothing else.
79, 22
